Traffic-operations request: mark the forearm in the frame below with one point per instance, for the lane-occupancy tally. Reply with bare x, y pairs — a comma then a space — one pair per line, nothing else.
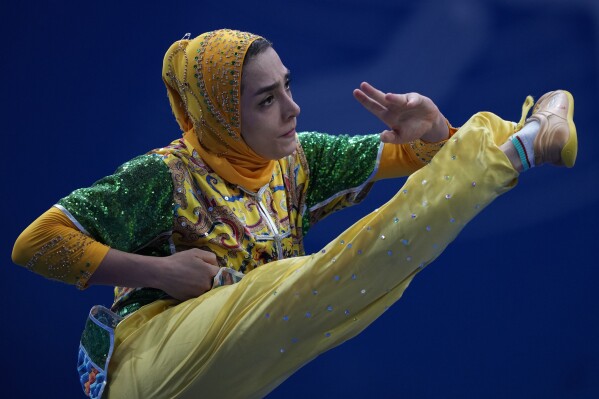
440, 131
128, 270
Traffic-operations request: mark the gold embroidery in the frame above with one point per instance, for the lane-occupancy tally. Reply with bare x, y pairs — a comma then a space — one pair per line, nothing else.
58, 258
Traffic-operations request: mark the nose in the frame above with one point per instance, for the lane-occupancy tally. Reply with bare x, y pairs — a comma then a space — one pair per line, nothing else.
292, 110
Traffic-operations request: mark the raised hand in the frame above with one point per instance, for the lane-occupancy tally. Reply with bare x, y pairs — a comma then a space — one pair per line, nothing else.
409, 116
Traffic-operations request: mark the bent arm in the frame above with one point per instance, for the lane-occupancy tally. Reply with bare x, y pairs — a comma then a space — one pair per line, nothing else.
53, 247
92, 236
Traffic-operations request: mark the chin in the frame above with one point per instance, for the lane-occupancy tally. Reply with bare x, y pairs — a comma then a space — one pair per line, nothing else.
282, 152
289, 150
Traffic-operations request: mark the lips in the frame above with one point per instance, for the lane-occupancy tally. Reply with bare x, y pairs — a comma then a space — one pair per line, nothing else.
289, 133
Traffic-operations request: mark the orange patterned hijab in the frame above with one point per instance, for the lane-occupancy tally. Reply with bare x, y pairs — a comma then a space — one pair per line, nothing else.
203, 81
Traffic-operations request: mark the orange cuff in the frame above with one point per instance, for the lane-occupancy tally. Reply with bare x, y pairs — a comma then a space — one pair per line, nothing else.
398, 160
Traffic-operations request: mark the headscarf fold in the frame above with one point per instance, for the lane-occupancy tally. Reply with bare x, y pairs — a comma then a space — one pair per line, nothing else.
203, 81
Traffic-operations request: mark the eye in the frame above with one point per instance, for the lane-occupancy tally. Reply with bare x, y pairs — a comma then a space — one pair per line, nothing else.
268, 100
288, 84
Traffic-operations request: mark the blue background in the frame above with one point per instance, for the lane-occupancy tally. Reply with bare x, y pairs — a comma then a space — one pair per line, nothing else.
511, 309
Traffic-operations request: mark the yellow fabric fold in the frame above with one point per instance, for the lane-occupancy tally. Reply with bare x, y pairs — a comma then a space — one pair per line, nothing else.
243, 171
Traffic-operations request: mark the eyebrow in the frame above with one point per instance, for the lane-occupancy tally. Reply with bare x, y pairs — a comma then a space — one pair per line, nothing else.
272, 86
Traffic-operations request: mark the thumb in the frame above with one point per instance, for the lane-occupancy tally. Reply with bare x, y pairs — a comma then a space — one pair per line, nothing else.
390, 137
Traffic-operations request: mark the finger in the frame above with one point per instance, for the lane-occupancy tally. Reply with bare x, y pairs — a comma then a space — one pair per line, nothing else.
214, 269
394, 137
373, 92
207, 257
389, 136
413, 99
369, 103
396, 101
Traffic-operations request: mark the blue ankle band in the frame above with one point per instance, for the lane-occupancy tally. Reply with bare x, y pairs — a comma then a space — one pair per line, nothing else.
521, 153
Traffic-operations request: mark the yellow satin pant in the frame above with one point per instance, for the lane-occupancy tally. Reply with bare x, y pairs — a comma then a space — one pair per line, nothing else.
242, 340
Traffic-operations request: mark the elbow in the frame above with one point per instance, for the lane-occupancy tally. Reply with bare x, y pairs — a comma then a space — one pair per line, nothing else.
21, 253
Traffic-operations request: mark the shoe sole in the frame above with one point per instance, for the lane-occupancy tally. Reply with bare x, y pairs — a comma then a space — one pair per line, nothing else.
570, 150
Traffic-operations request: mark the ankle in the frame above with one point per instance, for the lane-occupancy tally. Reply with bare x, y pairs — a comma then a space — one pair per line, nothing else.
512, 154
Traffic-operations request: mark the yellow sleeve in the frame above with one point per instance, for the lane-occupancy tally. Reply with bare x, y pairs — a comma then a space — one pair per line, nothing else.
53, 247
398, 160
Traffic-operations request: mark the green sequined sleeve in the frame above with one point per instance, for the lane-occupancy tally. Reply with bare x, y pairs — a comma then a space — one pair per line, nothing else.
341, 170
128, 209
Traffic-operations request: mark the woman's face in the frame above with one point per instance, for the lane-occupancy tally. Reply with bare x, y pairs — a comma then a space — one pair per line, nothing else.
268, 112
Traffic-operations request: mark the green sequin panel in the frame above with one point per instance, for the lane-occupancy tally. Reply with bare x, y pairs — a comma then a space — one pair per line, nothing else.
337, 163
138, 298
96, 342
128, 209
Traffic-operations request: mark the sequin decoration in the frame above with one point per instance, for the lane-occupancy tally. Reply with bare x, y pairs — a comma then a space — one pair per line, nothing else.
115, 209
60, 259
340, 168
426, 151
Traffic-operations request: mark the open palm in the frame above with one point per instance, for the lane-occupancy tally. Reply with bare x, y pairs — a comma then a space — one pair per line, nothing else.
409, 116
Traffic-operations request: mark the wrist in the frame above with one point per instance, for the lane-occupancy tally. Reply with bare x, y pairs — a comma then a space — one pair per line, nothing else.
154, 268
439, 132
